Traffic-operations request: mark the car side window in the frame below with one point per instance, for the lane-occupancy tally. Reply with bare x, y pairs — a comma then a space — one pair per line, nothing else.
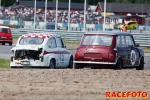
129, 41
121, 41
59, 42
51, 43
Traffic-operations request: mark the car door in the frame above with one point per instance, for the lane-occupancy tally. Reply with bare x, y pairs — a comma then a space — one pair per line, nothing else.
62, 52
122, 49
133, 55
53, 50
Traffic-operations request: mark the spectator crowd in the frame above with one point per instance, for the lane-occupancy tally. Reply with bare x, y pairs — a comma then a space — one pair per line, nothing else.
27, 14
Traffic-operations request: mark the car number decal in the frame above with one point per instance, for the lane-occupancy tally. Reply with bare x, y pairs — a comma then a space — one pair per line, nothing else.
133, 57
61, 57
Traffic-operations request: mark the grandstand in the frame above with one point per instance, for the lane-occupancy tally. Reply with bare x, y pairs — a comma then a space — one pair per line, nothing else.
17, 16
20, 15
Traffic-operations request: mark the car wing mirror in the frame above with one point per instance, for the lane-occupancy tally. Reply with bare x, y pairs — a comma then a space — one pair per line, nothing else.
131, 46
115, 49
66, 47
137, 45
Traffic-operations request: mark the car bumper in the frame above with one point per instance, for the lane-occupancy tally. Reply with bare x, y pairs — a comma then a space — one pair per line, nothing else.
94, 64
90, 62
29, 66
32, 63
6, 41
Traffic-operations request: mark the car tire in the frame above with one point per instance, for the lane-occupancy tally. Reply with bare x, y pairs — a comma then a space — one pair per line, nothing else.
52, 64
70, 63
12, 67
119, 65
78, 67
3, 43
10, 43
141, 66
75, 66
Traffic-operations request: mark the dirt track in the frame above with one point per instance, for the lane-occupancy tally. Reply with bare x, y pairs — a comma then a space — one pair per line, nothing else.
69, 84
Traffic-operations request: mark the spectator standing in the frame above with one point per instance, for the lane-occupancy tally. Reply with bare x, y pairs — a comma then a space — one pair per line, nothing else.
124, 28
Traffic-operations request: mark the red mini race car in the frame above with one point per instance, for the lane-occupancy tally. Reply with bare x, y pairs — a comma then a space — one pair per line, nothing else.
115, 50
5, 35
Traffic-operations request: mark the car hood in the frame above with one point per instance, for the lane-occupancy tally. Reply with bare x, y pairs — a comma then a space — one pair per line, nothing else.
26, 47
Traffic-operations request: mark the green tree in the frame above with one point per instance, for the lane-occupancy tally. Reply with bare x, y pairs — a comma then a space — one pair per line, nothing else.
7, 2
91, 2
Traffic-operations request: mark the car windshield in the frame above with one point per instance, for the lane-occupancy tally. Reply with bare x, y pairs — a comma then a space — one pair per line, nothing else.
31, 41
97, 40
4, 30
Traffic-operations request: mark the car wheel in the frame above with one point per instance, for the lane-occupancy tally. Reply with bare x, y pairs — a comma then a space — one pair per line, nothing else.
141, 66
75, 66
11, 67
10, 43
70, 63
119, 65
78, 67
52, 64
3, 43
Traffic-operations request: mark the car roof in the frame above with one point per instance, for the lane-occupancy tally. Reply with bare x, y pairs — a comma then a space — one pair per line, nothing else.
108, 33
130, 21
48, 35
4, 27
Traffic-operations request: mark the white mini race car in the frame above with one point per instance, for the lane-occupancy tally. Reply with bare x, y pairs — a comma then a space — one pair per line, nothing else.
41, 50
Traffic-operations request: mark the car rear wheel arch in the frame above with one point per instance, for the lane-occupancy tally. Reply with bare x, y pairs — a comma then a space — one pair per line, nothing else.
119, 64
141, 64
52, 63
119, 58
70, 65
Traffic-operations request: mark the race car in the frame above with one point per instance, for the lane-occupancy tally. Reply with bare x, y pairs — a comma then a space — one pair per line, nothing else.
41, 50
106, 49
5, 35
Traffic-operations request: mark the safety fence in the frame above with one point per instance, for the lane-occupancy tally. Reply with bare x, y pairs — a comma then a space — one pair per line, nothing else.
143, 38
73, 26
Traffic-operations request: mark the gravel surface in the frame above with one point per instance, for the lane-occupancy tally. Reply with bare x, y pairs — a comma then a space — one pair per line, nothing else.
70, 84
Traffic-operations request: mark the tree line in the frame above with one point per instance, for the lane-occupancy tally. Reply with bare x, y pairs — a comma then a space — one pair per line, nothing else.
90, 2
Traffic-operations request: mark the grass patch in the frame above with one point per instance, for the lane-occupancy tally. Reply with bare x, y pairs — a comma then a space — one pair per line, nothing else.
4, 63
67, 42
15, 37
146, 49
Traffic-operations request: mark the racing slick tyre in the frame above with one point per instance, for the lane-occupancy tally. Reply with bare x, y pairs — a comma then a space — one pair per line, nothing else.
52, 64
141, 66
10, 43
12, 67
76, 66
70, 63
119, 65
3, 43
